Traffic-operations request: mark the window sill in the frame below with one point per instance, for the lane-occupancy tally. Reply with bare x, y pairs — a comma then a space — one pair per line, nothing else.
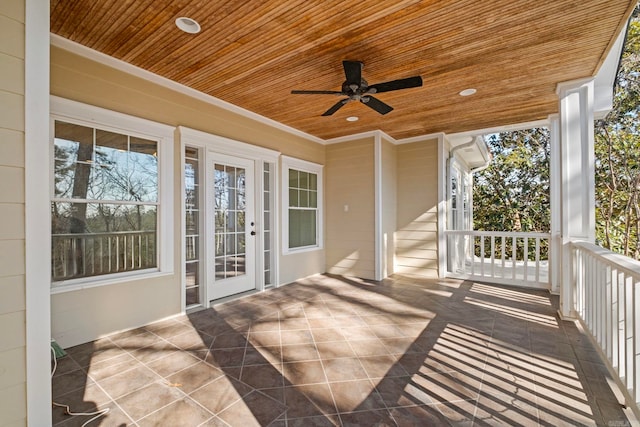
301, 250
82, 284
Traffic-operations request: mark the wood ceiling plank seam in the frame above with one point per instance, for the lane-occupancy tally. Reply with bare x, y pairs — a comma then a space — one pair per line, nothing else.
100, 13
464, 56
189, 51
412, 24
127, 29
290, 53
211, 53
71, 12
155, 30
99, 25
242, 57
205, 64
232, 73
516, 68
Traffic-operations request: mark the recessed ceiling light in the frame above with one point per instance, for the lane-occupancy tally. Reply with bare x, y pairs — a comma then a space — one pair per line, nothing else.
188, 25
467, 92
352, 119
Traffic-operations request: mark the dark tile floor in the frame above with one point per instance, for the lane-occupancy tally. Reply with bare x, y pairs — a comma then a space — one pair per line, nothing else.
335, 351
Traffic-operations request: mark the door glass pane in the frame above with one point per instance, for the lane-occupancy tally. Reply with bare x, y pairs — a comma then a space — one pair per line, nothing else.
230, 227
192, 218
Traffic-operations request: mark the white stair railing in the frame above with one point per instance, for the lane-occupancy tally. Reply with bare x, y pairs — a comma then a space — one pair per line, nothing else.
499, 257
607, 292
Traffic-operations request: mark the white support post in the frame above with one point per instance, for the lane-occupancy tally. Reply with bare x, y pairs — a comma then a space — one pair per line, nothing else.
574, 157
555, 242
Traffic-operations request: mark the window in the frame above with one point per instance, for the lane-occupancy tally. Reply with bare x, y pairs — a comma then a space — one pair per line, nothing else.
105, 204
192, 226
302, 197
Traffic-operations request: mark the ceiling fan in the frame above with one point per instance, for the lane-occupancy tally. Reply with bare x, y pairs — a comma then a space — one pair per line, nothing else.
355, 88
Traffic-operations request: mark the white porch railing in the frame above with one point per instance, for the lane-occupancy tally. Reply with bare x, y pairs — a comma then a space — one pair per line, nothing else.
607, 301
90, 254
499, 257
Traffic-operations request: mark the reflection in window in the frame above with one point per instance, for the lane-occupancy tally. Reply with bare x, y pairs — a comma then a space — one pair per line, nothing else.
230, 205
303, 208
192, 225
104, 210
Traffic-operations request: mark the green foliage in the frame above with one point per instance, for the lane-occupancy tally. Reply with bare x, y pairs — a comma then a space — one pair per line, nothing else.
617, 153
512, 194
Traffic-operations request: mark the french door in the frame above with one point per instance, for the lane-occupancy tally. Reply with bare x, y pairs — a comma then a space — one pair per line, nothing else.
231, 217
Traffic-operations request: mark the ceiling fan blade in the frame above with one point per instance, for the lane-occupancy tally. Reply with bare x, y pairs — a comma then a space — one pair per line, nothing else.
336, 107
353, 72
316, 92
397, 84
376, 104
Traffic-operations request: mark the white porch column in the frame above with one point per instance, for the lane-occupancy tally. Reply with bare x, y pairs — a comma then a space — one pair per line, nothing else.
555, 249
576, 181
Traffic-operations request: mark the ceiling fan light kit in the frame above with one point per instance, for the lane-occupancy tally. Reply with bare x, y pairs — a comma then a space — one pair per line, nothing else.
356, 88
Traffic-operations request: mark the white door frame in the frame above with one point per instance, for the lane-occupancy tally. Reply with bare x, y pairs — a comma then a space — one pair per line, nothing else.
221, 288
209, 145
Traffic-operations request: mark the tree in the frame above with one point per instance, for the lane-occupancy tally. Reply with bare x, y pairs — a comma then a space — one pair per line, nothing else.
617, 154
512, 194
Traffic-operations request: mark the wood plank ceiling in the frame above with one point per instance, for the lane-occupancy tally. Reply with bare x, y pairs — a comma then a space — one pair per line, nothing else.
252, 53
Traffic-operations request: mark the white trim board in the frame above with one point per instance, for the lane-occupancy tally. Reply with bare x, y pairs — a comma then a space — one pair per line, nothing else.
37, 223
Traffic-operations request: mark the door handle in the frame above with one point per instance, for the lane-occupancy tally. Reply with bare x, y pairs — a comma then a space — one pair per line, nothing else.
253, 233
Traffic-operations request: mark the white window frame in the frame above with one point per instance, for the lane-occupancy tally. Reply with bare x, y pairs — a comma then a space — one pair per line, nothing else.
95, 117
304, 166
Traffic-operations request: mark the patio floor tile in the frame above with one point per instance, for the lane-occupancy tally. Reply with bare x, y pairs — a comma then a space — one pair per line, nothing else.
334, 351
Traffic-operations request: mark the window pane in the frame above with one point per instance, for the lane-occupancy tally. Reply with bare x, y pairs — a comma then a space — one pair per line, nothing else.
304, 199
191, 152
302, 228
313, 181
73, 153
219, 266
219, 249
95, 228
191, 219
304, 179
90, 239
293, 198
293, 178
313, 199
143, 170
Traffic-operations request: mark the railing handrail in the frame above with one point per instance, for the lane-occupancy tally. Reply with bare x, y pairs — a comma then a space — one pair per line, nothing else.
529, 234
103, 233
629, 265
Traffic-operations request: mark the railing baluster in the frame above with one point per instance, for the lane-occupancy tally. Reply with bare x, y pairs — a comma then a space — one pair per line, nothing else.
468, 256
608, 302
525, 272
502, 256
493, 249
621, 325
482, 256
514, 263
472, 238
636, 341
537, 260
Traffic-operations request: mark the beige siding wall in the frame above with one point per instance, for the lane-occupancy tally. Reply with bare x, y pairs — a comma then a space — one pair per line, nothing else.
80, 79
13, 401
417, 218
350, 234
389, 177
83, 315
